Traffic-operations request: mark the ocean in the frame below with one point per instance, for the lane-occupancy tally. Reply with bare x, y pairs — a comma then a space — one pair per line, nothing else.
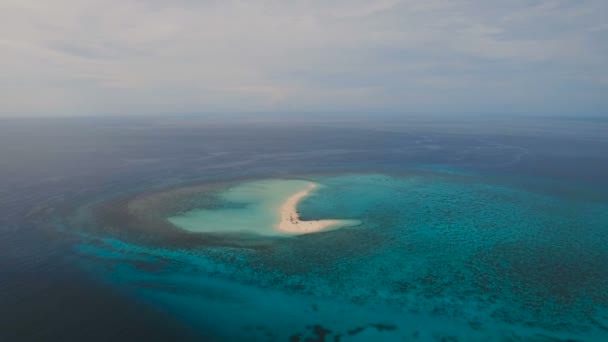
159, 228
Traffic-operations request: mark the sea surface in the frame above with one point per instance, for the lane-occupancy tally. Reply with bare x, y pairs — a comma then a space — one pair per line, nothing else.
467, 229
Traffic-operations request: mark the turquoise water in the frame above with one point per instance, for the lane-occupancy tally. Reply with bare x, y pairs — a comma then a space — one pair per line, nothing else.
436, 256
250, 207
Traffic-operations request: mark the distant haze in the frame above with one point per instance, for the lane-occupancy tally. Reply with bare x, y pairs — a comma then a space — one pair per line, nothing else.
74, 57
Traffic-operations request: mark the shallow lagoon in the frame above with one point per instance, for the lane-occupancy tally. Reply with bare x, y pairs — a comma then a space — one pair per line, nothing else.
436, 256
249, 207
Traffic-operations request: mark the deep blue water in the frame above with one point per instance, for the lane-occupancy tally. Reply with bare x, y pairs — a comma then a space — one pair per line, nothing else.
505, 237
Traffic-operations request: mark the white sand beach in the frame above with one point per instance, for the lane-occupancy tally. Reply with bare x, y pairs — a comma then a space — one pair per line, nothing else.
289, 221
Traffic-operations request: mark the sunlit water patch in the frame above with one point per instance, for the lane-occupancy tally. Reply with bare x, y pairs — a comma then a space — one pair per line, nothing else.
433, 257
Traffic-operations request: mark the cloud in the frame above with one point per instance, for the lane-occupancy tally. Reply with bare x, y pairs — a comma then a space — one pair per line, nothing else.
95, 57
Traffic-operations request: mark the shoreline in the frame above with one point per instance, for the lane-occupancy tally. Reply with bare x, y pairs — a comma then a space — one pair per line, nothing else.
289, 217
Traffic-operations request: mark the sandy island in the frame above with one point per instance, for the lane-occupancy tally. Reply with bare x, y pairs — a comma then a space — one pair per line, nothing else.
289, 221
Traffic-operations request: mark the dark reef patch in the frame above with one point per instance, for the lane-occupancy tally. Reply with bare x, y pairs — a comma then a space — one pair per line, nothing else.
142, 218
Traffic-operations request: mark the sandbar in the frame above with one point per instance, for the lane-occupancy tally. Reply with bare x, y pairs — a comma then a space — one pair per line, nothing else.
289, 217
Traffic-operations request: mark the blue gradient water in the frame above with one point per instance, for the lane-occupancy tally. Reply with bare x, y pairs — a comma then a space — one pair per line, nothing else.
463, 258
463, 236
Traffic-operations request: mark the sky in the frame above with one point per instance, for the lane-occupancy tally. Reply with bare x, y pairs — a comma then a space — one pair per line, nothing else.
122, 57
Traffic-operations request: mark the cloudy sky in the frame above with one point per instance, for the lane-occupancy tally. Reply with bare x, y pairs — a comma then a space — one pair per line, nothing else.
115, 57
